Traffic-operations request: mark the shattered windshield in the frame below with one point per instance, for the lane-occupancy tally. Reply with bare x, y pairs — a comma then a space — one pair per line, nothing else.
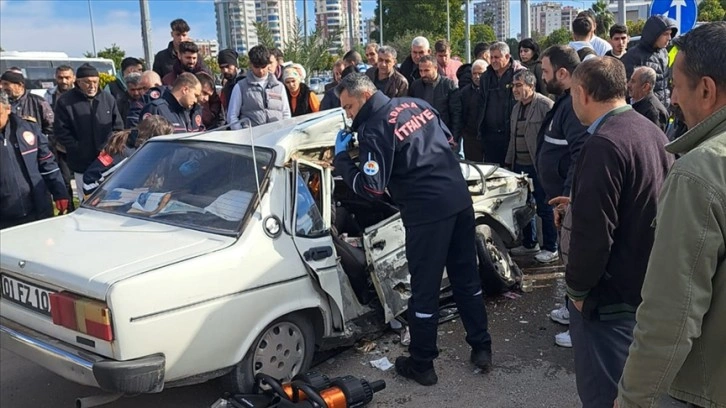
200, 185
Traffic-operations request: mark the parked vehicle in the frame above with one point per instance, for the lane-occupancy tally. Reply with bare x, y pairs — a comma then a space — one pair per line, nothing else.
225, 253
39, 67
317, 85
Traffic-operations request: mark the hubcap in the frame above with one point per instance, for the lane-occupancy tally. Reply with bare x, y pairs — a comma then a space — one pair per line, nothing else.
280, 352
500, 264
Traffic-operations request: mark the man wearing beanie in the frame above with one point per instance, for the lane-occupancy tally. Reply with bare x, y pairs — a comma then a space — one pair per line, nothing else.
227, 60
84, 119
30, 107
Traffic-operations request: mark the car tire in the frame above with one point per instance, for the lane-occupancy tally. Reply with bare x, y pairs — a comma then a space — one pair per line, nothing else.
283, 349
497, 271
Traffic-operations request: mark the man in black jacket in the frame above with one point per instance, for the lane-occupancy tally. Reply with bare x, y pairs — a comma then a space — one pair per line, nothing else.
228, 61
442, 94
179, 105
26, 104
614, 200
470, 98
188, 61
562, 135
28, 171
404, 150
643, 99
84, 120
132, 97
164, 60
495, 110
651, 51
409, 68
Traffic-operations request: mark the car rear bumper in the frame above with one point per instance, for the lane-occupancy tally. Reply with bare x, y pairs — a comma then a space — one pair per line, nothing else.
143, 375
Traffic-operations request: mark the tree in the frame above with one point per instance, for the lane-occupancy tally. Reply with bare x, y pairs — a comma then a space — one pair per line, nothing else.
711, 10
313, 54
635, 28
213, 65
513, 47
264, 35
113, 53
603, 17
561, 36
402, 42
402, 17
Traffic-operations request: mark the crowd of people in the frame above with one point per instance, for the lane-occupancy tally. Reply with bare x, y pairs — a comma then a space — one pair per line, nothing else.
590, 123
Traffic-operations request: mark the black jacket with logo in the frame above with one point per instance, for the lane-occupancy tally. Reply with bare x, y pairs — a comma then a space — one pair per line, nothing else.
404, 148
558, 145
83, 125
183, 120
28, 172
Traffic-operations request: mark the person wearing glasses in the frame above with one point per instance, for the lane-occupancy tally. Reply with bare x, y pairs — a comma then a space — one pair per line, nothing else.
85, 117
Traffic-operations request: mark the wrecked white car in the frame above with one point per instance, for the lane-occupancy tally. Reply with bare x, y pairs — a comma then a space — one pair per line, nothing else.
224, 254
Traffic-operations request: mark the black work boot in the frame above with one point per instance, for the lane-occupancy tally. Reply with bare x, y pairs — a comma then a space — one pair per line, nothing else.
482, 359
406, 367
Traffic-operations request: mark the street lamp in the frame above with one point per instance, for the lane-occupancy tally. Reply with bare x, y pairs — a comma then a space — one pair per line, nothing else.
93, 32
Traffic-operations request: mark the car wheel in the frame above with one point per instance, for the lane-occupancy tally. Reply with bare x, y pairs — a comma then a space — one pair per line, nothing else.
282, 350
497, 271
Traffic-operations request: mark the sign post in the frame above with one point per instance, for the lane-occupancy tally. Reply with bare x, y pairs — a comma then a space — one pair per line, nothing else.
684, 12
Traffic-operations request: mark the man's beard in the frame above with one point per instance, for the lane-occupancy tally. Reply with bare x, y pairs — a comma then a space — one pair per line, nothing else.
428, 80
554, 87
187, 68
229, 75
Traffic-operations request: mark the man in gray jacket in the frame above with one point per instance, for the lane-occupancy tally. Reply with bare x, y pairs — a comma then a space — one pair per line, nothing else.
260, 97
527, 117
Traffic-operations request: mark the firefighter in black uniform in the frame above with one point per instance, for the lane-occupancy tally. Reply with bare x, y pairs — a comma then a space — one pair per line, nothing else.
28, 171
405, 150
179, 105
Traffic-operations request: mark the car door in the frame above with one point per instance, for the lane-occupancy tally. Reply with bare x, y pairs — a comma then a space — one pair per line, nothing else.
385, 245
310, 229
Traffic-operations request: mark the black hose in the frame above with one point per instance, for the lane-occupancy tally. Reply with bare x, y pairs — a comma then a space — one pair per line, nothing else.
312, 395
275, 385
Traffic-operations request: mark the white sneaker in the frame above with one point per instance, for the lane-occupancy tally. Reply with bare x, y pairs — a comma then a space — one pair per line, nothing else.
561, 315
523, 250
544, 256
563, 339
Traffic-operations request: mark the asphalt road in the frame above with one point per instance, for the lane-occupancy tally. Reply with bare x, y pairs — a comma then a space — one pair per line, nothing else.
529, 370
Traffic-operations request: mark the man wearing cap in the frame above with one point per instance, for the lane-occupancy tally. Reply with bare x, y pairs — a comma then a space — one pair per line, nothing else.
228, 64
25, 104
84, 119
28, 171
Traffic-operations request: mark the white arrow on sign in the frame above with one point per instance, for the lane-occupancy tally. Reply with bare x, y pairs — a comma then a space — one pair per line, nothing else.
678, 4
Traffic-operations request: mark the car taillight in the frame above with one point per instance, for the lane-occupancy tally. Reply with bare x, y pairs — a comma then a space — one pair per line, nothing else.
81, 314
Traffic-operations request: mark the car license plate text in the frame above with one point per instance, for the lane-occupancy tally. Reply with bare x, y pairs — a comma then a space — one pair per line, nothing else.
25, 294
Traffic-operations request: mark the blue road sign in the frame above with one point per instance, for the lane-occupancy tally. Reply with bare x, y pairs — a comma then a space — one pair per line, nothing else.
683, 11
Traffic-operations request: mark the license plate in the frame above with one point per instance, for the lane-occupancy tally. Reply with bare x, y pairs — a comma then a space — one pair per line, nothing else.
33, 297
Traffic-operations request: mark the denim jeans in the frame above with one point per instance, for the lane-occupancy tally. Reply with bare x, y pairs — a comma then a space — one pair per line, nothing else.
544, 211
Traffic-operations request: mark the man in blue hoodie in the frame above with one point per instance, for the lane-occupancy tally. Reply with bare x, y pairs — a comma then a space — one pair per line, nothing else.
651, 52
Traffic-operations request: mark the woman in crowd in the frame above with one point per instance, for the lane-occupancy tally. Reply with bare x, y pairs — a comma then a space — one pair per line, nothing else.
302, 100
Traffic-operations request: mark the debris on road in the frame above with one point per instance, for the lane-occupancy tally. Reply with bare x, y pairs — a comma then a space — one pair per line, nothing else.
382, 364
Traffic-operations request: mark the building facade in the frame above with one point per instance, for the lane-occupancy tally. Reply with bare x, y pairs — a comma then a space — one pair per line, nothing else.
235, 24
334, 17
496, 14
207, 48
548, 17
280, 17
369, 26
634, 9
